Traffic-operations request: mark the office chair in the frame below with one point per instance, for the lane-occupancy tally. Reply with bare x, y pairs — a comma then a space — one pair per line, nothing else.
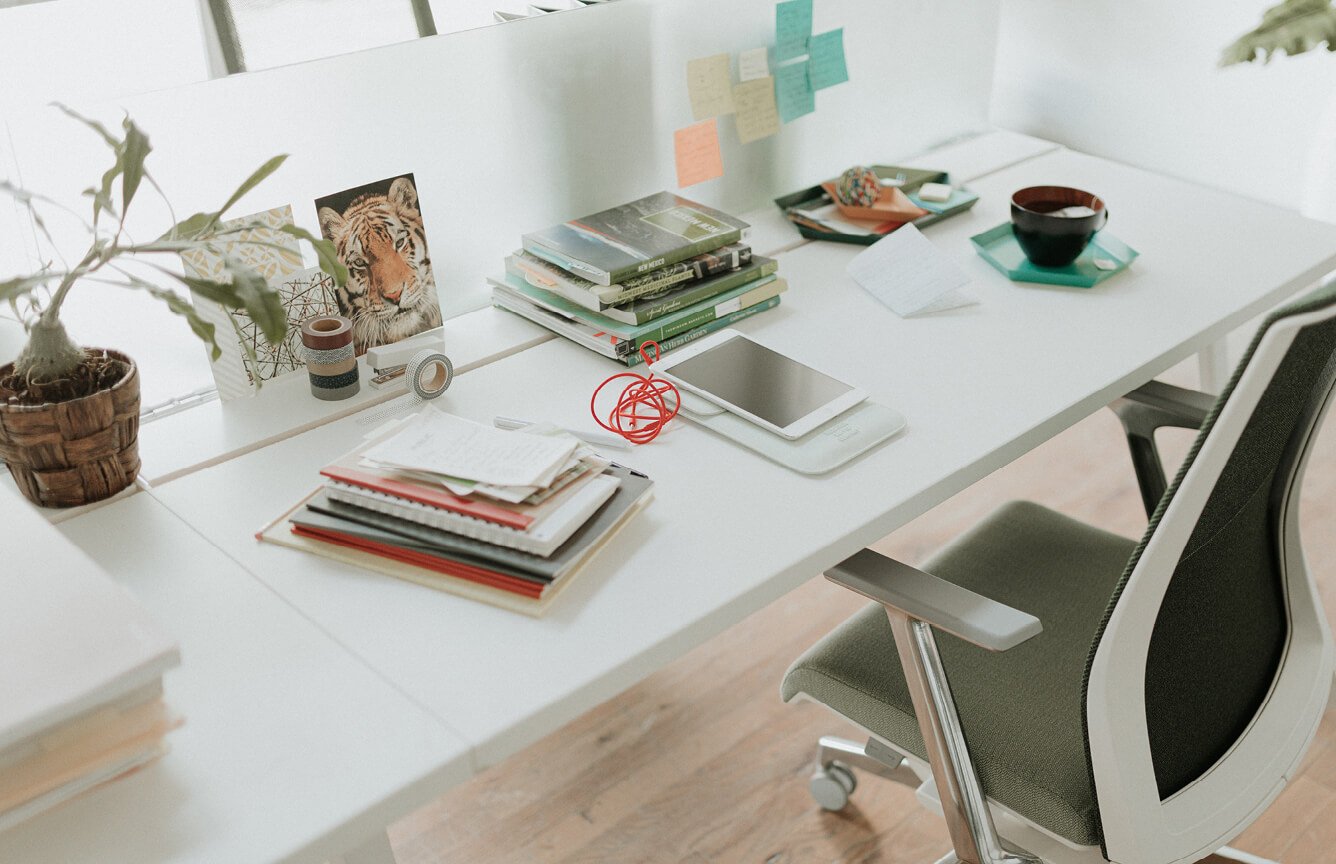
1087, 699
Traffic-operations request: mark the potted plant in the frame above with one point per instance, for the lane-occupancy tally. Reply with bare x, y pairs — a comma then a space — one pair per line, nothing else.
69, 415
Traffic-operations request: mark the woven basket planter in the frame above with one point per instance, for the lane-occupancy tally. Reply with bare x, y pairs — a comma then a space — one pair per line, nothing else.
63, 454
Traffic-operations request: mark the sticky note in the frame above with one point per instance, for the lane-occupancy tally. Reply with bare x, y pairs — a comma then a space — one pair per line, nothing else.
710, 86
793, 27
698, 157
756, 113
793, 92
753, 64
827, 59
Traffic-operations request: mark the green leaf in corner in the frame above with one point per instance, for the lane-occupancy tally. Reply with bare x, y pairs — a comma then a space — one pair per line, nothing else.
325, 253
260, 301
1291, 27
135, 152
253, 180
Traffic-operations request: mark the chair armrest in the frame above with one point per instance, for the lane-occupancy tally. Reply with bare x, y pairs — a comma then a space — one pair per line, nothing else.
1153, 406
976, 619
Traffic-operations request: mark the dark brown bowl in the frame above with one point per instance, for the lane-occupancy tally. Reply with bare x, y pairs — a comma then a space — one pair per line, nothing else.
1047, 238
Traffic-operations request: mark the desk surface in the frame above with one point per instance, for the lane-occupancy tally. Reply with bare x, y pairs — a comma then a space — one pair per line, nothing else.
729, 531
292, 749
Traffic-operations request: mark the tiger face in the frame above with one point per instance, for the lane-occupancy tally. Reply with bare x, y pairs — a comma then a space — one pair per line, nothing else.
390, 294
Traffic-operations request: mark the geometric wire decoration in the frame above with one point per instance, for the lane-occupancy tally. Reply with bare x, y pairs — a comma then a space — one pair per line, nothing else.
304, 294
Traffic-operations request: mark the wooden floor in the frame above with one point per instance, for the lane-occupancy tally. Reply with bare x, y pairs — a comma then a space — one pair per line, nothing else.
701, 762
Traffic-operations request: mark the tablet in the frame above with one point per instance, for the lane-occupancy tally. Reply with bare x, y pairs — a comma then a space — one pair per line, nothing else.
771, 390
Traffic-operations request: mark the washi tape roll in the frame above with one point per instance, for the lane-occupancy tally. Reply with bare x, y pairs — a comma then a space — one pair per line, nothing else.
429, 374
325, 332
331, 361
328, 356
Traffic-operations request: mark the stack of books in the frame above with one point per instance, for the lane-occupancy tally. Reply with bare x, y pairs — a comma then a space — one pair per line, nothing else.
506, 517
81, 678
660, 269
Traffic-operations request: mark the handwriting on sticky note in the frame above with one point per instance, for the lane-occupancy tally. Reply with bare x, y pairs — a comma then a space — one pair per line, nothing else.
757, 115
793, 26
827, 59
793, 92
753, 64
698, 157
907, 273
710, 86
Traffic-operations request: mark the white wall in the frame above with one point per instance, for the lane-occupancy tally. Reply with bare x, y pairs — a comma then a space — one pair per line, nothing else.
1137, 81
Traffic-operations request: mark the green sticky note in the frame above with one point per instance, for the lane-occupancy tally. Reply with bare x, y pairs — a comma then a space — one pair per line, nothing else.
827, 58
793, 27
793, 92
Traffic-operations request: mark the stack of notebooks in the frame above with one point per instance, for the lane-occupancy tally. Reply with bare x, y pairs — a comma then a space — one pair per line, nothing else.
660, 269
503, 517
81, 698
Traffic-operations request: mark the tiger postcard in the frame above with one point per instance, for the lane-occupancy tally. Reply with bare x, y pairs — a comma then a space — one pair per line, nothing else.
377, 232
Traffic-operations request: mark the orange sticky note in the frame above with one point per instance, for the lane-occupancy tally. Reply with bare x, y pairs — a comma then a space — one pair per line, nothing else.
698, 156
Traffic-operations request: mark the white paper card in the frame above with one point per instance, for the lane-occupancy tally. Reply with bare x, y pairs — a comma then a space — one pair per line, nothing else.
907, 273
753, 64
444, 444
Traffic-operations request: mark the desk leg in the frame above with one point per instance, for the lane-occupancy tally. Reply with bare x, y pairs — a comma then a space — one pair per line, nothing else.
1213, 367
375, 850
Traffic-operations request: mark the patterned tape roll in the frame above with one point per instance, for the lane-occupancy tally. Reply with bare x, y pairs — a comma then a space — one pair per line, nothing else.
325, 332
334, 382
328, 369
329, 356
429, 374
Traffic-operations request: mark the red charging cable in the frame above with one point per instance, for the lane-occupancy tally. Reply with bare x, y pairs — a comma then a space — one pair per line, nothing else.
645, 405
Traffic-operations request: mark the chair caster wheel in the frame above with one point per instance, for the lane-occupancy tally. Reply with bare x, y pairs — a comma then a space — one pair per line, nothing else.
831, 785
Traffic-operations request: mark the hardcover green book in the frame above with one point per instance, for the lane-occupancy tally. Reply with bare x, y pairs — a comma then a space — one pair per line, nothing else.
647, 309
598, 298
580, 336
657, 330
652, 232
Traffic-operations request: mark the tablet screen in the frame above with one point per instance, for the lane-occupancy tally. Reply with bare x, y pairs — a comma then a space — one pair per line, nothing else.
761, 382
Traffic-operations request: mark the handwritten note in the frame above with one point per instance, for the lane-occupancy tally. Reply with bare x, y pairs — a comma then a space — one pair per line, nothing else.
753, 64
907, 273
793, 27
710, 86
757, 115
698, 157
793, 92
827, 59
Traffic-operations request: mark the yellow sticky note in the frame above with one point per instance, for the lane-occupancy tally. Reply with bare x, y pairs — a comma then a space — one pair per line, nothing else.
698, 156
757, 115
710, 86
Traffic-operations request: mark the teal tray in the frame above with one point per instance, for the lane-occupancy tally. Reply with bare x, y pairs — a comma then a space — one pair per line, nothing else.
999, 248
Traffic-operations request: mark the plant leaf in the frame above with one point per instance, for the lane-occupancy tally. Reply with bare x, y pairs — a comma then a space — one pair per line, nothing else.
252, 181
12, 289
190, 227
136, 150
112, 141
205, 330
1292, 27
260, 301
324, 251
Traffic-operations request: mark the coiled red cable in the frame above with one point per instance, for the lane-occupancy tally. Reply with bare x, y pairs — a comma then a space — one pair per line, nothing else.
645, 405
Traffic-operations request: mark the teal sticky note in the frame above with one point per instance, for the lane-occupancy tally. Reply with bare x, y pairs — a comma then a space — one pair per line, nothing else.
793, 92
793, 27
827, 58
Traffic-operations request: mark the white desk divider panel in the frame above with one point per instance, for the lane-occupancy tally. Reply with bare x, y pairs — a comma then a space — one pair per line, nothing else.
729, 531
292, 749
512, 128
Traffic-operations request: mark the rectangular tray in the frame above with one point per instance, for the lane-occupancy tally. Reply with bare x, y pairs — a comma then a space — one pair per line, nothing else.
998, 247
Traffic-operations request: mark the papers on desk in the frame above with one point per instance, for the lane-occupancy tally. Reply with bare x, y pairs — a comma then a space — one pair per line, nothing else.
506, 517
910, 275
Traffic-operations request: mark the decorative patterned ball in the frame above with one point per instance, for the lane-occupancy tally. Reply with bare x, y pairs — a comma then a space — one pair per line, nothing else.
858, 187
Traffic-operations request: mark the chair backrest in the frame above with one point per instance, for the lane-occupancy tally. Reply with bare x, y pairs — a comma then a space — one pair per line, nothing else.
1208, 679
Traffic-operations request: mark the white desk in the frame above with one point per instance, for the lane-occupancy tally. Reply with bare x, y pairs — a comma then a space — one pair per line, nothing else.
292, 749
729, 531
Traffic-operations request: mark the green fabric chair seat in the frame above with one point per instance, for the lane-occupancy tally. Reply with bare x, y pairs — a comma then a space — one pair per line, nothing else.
1020, 709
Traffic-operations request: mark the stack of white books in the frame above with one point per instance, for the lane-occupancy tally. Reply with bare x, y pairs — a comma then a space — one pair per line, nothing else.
81, 698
